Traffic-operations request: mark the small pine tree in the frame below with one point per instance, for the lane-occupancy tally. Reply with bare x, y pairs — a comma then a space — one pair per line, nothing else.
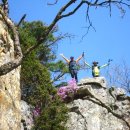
35, 80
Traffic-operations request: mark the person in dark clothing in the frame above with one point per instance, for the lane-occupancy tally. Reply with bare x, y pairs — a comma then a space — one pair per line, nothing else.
73, 67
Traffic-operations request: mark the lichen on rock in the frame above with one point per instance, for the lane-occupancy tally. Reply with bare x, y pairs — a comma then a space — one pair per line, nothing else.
94, 108
10, 115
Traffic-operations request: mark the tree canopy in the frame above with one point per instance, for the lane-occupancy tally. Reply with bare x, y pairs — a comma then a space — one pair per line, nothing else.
36, 85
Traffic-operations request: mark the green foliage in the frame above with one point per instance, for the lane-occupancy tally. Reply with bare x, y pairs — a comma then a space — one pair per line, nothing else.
58, 66
4, 1
33, 33
35, 78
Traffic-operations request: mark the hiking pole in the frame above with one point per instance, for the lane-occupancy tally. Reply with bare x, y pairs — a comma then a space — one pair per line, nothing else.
109, 60
83, 60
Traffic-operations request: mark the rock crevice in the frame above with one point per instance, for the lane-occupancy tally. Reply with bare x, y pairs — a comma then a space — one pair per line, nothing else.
96, 107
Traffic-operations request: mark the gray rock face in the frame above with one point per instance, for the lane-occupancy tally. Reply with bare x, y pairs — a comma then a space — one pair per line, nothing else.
26, 116
98, 108
100, 81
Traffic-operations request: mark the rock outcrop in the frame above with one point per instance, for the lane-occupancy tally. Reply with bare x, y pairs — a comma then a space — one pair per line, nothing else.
26, 116
96, 107
10, 115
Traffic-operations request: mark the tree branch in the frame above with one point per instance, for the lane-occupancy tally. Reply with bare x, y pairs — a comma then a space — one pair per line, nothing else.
7, 67
60, 15
60, 37
53, 3
74, 10
58, 77
48, 30
21, 20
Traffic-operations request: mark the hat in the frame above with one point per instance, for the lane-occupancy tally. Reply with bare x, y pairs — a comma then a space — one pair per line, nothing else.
95, 62
71, 57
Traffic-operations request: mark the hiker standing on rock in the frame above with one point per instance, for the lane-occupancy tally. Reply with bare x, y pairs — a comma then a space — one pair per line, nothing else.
73, 65
96, 68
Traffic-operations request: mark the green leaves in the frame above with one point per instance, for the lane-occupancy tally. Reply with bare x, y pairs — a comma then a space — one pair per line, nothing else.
58, 66
35, 77
4, 1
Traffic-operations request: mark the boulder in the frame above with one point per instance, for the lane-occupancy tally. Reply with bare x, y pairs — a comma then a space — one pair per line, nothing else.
95, 107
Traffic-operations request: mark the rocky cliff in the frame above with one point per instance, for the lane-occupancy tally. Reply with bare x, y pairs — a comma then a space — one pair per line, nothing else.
97, 107
10, 115
26, 116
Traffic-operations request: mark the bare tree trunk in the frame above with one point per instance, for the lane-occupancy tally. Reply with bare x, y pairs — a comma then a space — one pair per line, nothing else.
10, 115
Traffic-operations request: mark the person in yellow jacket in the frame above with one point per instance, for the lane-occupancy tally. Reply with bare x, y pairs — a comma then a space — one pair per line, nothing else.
96, 69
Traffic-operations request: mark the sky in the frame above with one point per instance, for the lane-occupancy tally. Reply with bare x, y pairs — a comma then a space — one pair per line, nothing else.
109, 41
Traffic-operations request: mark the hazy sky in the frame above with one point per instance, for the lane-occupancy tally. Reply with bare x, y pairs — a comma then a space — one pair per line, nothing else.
111, 39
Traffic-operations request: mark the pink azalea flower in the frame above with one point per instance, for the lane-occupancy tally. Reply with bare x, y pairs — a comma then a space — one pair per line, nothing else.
36, 111
71, 88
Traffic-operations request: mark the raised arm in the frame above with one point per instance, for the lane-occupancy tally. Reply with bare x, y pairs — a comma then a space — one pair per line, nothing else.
80, 58
67, 60
88, 64
104, 65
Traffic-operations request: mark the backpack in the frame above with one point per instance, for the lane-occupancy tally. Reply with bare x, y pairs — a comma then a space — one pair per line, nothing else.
73, 65
95, 70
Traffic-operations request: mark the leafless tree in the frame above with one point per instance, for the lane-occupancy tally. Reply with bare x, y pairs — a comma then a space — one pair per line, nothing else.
62, 13
119, 75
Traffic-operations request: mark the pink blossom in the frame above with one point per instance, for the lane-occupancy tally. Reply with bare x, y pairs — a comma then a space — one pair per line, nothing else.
71, 88
36, 111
